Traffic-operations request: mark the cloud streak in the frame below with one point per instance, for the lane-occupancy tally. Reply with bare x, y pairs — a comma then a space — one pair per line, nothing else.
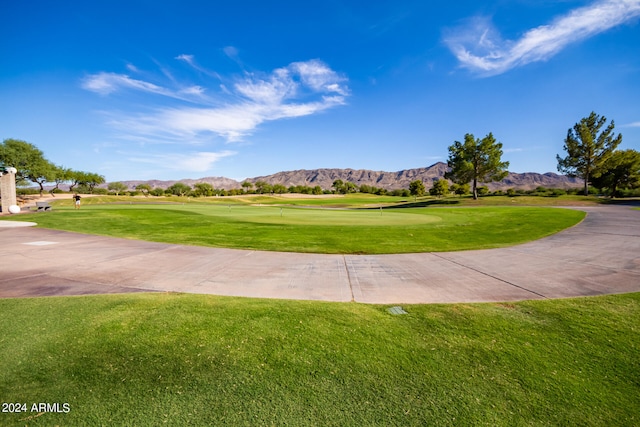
479, 47
299, 89
107, 83
200, 161
190, 60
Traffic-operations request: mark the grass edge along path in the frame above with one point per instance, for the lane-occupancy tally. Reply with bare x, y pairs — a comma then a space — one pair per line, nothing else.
401, 230
151, 359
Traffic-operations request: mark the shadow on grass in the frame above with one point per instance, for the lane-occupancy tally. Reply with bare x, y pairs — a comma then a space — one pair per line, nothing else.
620, 202
420, 204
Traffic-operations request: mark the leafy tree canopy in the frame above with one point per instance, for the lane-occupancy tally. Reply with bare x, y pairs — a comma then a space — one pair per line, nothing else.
91, 180
33, 166
476, 160
144, 188
588, 147
179, 189
28, 160
262, 187
620, 170
416, 188
279, 189
203, 189
440, 188
117, 187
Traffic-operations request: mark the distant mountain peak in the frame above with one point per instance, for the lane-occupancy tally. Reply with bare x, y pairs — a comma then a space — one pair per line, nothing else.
325, 177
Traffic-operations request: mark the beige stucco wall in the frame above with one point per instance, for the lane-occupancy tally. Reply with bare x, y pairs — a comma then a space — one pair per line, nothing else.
8, 190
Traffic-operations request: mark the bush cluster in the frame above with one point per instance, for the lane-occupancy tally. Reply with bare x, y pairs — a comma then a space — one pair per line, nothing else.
208, 191
538, 191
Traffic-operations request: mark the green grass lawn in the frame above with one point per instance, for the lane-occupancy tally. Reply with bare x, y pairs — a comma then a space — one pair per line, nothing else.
297, 229
356, 200
330, 200
177, 359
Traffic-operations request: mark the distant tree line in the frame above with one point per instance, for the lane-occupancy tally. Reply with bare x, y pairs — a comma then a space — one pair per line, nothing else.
204, 189
33, 167
440, 188
591, 149
593, 156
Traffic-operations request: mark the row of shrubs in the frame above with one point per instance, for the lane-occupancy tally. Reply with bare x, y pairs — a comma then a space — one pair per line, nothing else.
159, 192
554, 192
482, 191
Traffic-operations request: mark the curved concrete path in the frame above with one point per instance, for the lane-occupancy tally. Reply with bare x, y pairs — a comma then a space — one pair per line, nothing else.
601, 255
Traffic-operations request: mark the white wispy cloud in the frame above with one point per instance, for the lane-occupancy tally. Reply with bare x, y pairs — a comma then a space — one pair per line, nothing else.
191, 61
186, 58
106, 83
632, 125
200, 161
231, 52
299, 89
479, 47
319, 77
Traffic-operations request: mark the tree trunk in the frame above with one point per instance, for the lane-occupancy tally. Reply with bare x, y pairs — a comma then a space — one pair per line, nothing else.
475, 189
586, 185
587, 174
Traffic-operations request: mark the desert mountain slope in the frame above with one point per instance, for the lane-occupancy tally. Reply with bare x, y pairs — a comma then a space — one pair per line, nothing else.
389, 180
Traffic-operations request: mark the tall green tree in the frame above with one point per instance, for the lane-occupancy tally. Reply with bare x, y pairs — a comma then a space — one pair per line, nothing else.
247, 186
91, 180
440, 188
461, 189
80, 178
279, 189
117, 187
179, 189
350, 187
620, 170
338, 185
262, 187
476, 160
61, 175
416, 188
342, 187
144, 188
43, 173
77, 178
588, 147
28, 160
203, 189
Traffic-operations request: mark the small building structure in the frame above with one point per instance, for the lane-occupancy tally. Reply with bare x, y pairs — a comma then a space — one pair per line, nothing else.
8, 198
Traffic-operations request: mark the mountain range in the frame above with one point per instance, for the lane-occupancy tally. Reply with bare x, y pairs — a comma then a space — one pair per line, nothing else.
389, 180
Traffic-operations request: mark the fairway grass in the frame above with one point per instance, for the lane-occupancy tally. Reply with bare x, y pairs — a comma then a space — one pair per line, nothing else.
177, 359
313, 230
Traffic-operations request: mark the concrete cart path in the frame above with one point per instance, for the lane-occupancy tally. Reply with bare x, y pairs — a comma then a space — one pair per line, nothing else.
601, 255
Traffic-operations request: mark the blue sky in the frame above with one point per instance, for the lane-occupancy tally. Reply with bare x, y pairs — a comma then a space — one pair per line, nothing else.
153, 89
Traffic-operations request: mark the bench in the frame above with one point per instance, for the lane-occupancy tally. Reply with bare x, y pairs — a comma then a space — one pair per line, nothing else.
43, 206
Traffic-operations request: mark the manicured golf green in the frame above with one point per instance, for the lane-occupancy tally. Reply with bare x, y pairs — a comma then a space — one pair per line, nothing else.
155, 359
296, 229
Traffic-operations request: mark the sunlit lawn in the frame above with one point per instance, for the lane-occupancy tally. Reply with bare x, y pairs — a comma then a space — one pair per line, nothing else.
297, 229
154, 359
176, 359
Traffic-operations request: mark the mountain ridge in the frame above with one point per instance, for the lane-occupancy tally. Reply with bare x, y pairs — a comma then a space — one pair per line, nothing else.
324, 177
